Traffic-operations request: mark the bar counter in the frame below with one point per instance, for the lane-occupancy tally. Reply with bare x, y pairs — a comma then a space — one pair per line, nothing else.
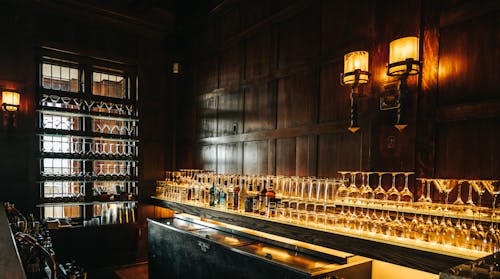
395, 254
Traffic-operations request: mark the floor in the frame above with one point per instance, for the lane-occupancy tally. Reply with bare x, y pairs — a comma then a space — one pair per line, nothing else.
137, 271
133, 271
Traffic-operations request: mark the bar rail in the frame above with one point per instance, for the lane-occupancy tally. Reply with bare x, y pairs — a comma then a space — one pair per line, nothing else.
10, 262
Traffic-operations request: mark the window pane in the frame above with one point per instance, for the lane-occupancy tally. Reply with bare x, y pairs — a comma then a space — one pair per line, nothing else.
59, 77
109, 85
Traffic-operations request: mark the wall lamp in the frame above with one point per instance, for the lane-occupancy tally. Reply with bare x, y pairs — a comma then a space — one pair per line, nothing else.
403, 62
355, 75
10, 104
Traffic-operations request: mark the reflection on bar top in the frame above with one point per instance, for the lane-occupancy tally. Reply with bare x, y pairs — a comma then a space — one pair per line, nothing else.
289, 241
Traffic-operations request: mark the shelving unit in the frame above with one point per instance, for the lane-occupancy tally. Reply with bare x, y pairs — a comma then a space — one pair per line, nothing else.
87, 134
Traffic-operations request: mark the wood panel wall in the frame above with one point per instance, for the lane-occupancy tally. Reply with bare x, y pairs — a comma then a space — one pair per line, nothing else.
268, 100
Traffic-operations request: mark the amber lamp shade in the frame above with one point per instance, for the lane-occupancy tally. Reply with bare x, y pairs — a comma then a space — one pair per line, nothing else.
404, 57
355, 67
10, 100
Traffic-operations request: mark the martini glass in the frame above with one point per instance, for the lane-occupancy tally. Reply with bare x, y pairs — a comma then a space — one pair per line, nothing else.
445, 186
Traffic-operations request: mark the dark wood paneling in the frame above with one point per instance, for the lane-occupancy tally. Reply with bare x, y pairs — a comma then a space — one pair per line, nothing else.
208, 155
228, 23
258, 54
466, 51
255, 154
298, 38
285, 156
230, 67
229, 158
302, 156
207, 117
340, 151
469, 149
334, 99
349, 28
230, 114
254, 12
208, 75
260, 108
296, 100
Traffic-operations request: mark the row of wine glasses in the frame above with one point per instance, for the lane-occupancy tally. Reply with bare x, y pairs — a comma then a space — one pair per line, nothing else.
357, 203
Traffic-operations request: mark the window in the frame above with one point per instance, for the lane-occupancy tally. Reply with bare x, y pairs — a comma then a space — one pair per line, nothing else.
87, 132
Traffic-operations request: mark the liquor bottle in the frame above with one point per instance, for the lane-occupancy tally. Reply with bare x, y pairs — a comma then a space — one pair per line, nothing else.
262, 198
230, 194
212, 195
236, 195
270, 201
222, 194
250, 198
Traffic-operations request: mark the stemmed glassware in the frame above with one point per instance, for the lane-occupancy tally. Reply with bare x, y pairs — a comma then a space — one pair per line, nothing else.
445, 186
405, 194
342, 190
379, 192
366, 189
352, 190
393, 192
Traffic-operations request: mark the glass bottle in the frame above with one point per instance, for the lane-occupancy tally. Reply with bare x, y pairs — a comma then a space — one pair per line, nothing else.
236, 195
270, 201
262, 198
249, 199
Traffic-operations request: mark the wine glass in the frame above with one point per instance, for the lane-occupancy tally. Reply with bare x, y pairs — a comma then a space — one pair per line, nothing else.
459, 200
342, 190
478, 187
379, 192
366, 189
405, 194
393, 192
423, 181
352, 190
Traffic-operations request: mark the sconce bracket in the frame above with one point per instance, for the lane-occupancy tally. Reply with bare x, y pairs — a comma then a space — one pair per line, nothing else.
389, 99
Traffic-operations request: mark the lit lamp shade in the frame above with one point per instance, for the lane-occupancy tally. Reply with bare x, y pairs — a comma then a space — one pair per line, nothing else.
356, 60
10, 100
401, 52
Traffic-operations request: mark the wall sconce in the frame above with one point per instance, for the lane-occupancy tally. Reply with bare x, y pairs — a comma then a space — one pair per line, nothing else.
10, 104
10, 100
403, 62
176, 68
355, 74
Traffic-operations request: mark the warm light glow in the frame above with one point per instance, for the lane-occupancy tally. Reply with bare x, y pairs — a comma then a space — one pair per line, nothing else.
276, 253
175, 68
401, 50
231, 240
356, 60
10, 100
